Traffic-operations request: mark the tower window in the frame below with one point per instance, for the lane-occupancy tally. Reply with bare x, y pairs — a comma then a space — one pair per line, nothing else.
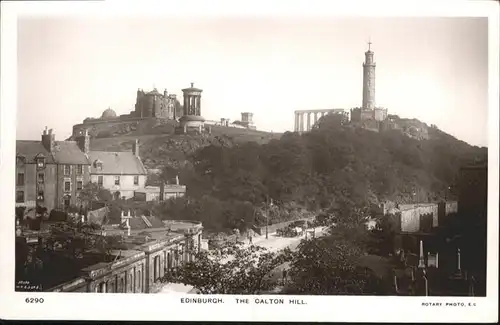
99, 180
117, 180
136, 180
40, 196
41, 178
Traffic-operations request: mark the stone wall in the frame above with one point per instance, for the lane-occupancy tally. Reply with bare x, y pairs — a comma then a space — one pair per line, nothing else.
97, 126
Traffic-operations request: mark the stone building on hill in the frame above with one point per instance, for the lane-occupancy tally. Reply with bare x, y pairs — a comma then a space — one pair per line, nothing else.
154, 104
368, 116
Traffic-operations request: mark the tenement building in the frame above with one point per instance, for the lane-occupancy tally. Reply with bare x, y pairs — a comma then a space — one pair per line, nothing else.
50, 173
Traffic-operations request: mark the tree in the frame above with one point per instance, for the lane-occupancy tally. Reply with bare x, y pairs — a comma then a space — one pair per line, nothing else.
92, 192
232, 269
324, 266
383, 235
74, 238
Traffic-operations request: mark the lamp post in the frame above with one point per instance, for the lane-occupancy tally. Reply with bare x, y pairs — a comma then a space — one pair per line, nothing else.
267, 215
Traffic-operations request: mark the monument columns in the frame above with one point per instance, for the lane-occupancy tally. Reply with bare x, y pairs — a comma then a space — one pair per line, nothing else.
308, 121
296, 126
301, 122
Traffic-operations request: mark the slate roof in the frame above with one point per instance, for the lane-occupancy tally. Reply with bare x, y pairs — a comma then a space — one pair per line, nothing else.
68, 152
116, 163
65, 152
30, 149
137, 223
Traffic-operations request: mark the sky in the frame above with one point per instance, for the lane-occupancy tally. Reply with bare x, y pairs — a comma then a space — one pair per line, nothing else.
432, 69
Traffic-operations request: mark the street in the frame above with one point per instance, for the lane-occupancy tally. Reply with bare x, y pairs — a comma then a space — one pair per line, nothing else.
273, 243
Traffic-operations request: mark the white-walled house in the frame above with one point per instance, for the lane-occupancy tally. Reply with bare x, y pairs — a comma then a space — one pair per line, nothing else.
122, 173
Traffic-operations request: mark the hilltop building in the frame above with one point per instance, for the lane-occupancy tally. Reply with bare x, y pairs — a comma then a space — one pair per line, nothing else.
154, 104
368, 116
191, 119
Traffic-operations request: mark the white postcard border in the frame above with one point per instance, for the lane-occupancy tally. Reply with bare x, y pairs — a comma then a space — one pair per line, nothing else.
169, 307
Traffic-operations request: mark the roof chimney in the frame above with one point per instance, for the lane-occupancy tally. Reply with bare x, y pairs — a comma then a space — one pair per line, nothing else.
135, 148
48, 140
83, 141
192, 85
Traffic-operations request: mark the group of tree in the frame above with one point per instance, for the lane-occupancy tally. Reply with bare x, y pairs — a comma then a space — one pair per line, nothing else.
325, 265
231, 269
333, 161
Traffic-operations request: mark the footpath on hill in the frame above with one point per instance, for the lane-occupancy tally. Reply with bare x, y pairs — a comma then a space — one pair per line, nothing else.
274, 243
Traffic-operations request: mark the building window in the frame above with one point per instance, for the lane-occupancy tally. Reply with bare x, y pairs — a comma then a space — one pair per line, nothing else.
20, 179
79, 169
67, 201
40, 162
20, 161
40, 196
20, 197
136, 180
117, 180
79, 185
99, 180
67, 170
41, 178
102, 287
67, 186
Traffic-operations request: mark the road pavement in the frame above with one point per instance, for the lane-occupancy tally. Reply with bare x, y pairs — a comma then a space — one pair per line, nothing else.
273, 243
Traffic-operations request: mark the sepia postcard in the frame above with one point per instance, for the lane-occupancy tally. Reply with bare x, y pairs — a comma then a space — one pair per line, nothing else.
249, 161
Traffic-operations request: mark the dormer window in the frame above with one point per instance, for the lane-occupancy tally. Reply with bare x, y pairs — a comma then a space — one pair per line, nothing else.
40, 162
98, 165
20, 160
